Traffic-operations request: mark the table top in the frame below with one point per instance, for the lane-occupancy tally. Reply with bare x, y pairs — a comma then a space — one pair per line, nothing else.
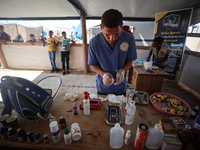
156, 71
95, 132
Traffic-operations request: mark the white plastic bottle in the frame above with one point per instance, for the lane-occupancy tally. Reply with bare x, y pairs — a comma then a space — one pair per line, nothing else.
128, 137
130, 113
155, 137
116, 136
86, 104
67, 136
55, 131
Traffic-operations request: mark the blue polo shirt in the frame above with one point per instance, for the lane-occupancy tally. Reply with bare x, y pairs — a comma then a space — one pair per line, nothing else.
110, 60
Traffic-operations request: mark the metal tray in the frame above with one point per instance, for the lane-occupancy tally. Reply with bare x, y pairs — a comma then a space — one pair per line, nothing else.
141, 98
113, 115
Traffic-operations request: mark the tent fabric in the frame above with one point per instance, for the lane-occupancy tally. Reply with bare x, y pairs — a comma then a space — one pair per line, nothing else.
63, 8
36, 8
14, 29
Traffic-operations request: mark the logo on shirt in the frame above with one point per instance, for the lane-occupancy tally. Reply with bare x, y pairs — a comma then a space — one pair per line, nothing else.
124, 46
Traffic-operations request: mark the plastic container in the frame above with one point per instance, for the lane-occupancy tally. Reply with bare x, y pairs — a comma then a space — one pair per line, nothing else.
197, 123
3, 132
76, 132
128, 137
67, 136
21, 135
55, 131
86, 104
155, 137
30, 137
38, 138
130, 113
116, 136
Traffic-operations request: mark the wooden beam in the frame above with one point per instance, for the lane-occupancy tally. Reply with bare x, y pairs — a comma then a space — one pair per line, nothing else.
2, 59
85, 49
77, 6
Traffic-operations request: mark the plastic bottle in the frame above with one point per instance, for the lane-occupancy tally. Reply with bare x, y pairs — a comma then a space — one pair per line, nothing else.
52, 118
155, 137
86, 104
130, 113
116, 136
75, 109
76, 132
128, 137
55, 131
67, 136
194, 112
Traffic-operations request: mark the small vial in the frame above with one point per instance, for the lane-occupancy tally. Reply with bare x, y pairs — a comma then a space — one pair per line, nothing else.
128, 137
38, 138
75, 109
62, 122
30, 137
46, 138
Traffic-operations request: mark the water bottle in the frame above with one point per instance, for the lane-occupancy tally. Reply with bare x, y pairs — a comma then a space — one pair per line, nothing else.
116, 136
155, 137
55, 131
130, 113
86, 104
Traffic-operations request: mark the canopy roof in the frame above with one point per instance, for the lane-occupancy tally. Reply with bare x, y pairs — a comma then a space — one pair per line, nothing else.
142, 10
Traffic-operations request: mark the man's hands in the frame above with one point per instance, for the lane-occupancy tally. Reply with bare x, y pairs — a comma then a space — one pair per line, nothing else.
108, 79
120, 76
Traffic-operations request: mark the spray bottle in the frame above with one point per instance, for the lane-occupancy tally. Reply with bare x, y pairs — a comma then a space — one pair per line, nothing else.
130, 113
86, 103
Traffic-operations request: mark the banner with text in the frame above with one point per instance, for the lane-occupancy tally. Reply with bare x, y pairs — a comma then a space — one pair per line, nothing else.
172, 27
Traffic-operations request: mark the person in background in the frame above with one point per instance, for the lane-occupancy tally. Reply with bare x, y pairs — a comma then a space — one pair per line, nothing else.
65, 52
160, 52
52, 44
32, 38
42, 38
4, 37
111, 53
127, 29
18, 38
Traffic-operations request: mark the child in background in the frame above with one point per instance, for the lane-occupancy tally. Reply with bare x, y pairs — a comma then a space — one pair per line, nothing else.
65, 52
52, 43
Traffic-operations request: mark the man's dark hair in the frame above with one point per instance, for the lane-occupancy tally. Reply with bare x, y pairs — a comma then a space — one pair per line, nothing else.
1, 26
158, 40
111, 18
32, 35
63, 32
50, 31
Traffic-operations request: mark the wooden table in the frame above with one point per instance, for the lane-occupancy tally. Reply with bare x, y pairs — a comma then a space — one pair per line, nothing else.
95, 132
143, 80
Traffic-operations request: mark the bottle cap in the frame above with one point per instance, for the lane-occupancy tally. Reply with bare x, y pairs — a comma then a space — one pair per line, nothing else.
10, 129
128, 132
61, 117
157, 127
53, 126
117, 125
74, 106
66, 131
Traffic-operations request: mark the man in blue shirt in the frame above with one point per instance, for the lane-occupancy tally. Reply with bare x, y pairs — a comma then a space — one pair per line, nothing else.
111, 53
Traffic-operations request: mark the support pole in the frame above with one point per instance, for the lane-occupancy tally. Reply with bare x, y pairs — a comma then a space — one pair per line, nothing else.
2, 59
85, 49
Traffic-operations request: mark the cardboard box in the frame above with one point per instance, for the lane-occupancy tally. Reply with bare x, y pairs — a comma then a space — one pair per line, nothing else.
171, 142
95, 104
168, 126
